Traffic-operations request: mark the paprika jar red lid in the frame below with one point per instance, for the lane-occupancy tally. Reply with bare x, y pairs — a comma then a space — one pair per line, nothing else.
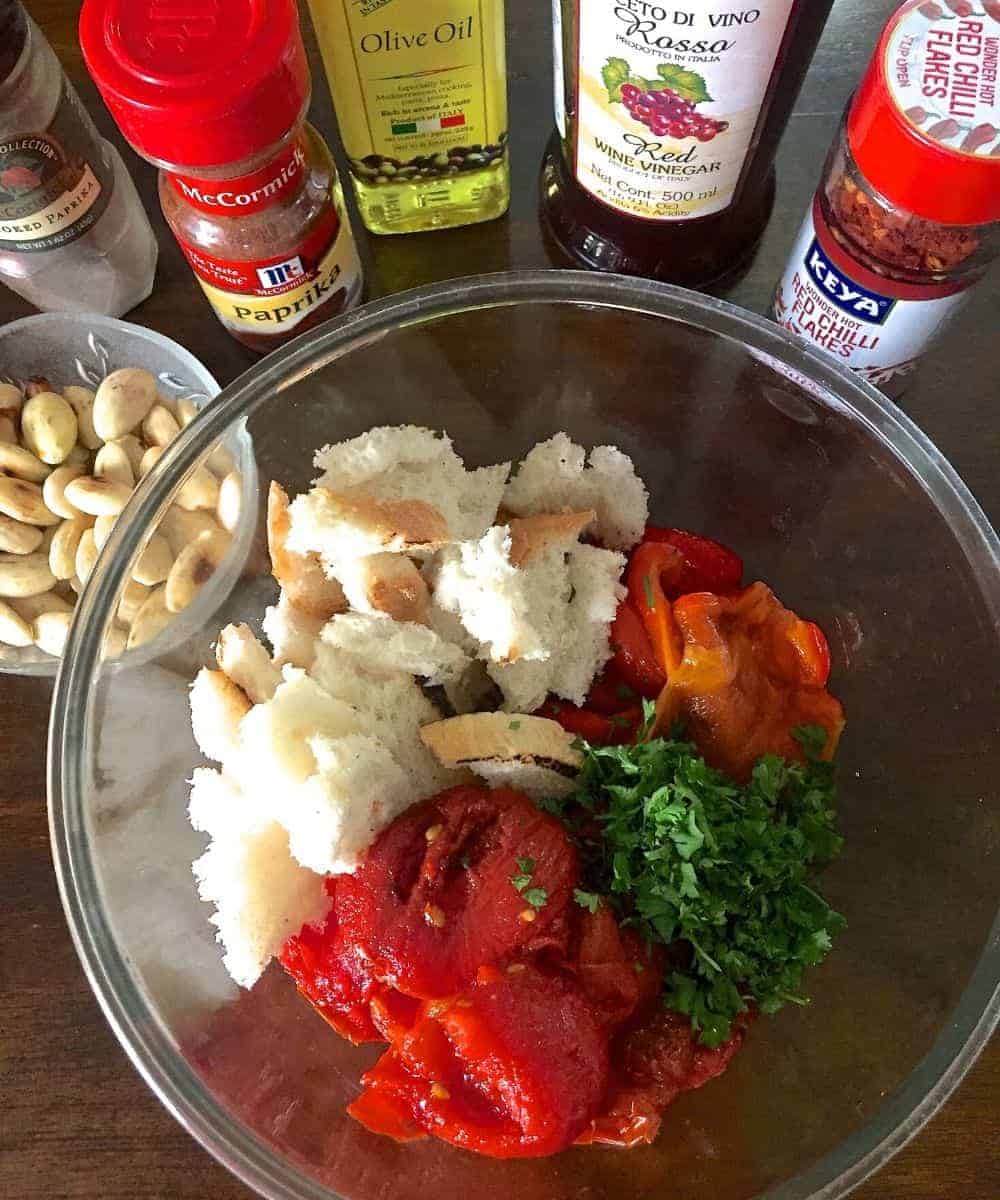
924, 125
198, 85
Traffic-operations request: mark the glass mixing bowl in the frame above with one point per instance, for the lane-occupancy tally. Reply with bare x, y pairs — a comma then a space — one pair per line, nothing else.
742, 432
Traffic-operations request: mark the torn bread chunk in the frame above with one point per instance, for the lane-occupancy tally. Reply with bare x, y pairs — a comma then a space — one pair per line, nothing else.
242, 657
218, 806
595, 579
217, 708
261, 895
512, 612
275, 750
301, 576
554, 477
532, 754
341, 527
357, 789
392, 707
386, 583
406, 462
292, 633
384, 645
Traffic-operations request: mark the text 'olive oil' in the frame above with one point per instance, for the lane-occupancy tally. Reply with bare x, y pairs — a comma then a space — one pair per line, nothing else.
420, 89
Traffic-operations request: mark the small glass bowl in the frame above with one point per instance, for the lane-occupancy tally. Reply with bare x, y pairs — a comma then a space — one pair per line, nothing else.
81, 349
741, 432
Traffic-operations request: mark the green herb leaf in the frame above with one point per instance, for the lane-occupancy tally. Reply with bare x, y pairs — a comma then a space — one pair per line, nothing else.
688, 856
588, 900
537, 897
647, 587
689, 85
527, 865
515, 725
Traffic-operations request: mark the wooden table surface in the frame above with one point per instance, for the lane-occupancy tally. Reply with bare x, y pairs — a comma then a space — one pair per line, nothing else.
77, 1121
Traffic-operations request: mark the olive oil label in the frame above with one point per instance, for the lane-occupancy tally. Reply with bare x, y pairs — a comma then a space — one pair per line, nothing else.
54, 186
667, 100
415, 85
272, 295
876, 326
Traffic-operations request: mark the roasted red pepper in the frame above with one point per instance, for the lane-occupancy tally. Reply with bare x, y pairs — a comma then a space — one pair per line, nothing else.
600, 729
653, 571
708, 565
634, 659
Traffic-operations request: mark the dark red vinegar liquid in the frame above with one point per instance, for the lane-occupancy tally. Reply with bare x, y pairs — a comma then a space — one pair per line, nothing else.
694, 251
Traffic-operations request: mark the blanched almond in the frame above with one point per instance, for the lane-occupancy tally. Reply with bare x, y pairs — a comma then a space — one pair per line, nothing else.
14, 629
54, 490
48, 427
199, 490
187, 410
115, 641
154, 562
26, 574
180, 527
18, 538
81, 401
20, 462
159, 427
99, 497
193, 568
149, 460
23, 501
230, 499
151, 619
111, 462
30, 607
134, 596
62, 552
86, 555
220, 462
51, 630
8, 433
122, 402
80, 456
134, 449
11, 399
102, 530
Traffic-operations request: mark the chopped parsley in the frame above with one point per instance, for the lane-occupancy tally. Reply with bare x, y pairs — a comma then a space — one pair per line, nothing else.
647, 587
522, 877
537, 897
514, 725
718, 871
588, 900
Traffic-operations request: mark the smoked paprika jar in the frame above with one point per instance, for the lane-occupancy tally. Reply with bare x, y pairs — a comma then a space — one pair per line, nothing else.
217, 99
907, 214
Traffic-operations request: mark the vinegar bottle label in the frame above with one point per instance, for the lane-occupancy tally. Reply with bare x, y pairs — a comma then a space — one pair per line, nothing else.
667, 100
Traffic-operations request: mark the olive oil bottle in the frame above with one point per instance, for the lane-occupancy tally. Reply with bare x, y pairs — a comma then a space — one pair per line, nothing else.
420, 89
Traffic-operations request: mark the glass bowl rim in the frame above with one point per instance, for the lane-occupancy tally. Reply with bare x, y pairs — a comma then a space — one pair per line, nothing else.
138, 1028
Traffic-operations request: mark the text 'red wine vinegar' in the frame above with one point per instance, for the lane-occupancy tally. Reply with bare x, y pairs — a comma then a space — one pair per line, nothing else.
667, 120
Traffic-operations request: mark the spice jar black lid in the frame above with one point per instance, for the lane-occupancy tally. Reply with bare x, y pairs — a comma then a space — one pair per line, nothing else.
198, 90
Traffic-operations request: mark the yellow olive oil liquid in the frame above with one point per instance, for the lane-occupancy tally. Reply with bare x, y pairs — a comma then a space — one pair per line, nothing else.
420, 89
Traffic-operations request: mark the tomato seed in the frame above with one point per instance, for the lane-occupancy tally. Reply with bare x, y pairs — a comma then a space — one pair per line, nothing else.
528, 915
433, 832
440, 1092
516, 968
435, 916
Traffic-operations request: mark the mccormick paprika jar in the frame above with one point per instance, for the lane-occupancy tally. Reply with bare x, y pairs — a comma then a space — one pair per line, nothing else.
216, 97
668, 117
907, 215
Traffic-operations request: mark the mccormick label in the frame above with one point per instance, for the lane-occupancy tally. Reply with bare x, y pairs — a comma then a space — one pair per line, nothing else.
54, 186
273, 295
667, 100
876, 326
941, 67
415, 85
247, 193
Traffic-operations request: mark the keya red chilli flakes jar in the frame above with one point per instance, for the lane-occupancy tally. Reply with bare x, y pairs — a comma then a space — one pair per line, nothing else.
907, 213
215, 95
